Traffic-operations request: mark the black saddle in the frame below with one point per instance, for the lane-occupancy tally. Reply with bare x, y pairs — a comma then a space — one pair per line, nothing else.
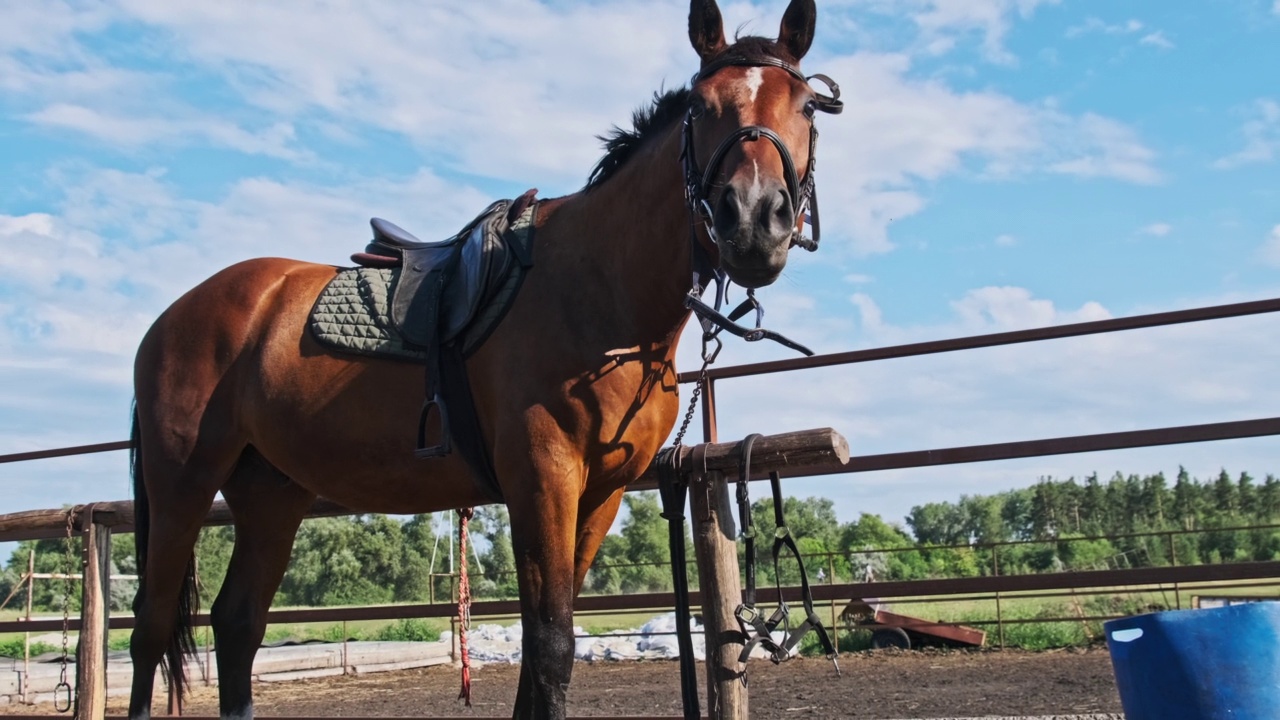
449, 295
388, 235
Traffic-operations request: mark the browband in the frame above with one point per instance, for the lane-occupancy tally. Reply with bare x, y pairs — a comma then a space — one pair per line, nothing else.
830, 104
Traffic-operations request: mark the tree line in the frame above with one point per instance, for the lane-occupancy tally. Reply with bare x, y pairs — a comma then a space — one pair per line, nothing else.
1067, 524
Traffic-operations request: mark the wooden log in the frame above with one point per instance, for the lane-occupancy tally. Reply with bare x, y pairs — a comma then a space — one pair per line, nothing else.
117, 515
792, 453
91, 658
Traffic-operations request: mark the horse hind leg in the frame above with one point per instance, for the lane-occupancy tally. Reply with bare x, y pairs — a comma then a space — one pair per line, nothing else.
173, 491
267, 508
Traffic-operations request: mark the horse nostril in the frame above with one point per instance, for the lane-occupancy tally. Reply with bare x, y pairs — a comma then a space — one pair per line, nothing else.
775, 212
784, 211
730, 208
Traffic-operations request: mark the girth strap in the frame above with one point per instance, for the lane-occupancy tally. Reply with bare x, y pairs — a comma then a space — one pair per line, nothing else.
757, 629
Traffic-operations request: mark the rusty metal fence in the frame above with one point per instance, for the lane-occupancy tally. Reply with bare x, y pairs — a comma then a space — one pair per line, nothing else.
118, 515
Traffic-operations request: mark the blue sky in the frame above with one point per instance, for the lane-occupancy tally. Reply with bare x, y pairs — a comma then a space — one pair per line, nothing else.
1001, 164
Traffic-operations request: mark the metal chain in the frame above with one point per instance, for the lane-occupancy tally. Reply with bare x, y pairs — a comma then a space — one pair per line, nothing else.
709, 354
693, 404
64, 686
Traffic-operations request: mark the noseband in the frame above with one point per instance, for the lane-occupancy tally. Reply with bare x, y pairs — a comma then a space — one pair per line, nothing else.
801, 193
697, 193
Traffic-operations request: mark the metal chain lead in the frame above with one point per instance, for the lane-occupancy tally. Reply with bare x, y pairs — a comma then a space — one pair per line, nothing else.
708, 357
63, 688
693, 404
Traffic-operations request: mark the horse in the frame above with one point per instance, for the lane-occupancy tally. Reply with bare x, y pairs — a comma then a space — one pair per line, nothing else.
574, 391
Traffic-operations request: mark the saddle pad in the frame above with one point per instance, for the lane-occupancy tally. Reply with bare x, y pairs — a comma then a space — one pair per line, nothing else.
353, 314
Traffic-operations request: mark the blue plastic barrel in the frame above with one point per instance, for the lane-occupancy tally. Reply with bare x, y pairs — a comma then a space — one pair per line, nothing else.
1221, 663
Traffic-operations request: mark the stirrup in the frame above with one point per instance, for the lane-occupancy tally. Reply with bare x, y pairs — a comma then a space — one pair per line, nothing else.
445, 447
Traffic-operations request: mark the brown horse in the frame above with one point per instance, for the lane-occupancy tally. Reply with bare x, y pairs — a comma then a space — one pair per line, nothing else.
575, 390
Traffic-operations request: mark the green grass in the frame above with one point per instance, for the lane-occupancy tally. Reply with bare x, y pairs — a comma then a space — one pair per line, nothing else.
409, 630
846, 641
12, 648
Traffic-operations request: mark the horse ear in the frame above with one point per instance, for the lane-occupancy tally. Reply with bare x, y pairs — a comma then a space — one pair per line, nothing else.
706, 28
796, 33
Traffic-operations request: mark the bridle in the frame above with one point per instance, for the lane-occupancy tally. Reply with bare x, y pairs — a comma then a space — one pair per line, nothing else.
697, 190
672, 485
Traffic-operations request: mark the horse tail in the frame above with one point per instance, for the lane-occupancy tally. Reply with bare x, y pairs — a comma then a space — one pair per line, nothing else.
183, 640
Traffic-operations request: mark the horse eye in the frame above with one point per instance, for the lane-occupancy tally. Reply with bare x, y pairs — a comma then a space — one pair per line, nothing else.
697, 108
810, 108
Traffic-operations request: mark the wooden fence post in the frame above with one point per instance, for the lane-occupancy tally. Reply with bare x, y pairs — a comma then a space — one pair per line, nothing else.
715, 544
91, 656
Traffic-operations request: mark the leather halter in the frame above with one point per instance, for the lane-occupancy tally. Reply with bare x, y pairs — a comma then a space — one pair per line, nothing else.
697, 189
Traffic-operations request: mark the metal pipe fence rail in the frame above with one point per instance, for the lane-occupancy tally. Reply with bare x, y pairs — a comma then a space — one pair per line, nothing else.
719, 505
900, 590
943, 456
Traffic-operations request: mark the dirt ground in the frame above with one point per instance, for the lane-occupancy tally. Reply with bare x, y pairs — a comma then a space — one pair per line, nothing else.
884, 684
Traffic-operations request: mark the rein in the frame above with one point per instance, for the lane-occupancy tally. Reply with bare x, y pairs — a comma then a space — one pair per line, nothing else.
697, 191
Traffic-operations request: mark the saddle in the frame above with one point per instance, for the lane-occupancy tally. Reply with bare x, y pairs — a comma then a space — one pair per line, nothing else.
447, 298
443, 285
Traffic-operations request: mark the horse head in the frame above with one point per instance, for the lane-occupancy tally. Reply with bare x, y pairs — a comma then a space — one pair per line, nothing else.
749, 140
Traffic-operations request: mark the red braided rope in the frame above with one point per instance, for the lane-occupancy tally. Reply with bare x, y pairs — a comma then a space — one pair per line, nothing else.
464, 604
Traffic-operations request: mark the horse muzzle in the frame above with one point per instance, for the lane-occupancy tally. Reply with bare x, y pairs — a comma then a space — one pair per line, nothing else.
754, 225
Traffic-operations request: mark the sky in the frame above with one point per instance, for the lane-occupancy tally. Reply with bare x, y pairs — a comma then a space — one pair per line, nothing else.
1001, 164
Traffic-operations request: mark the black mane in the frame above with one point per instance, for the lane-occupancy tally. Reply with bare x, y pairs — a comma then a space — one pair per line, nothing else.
668, 107
620, 144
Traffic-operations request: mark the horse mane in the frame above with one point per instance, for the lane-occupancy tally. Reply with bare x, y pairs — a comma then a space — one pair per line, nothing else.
668, 107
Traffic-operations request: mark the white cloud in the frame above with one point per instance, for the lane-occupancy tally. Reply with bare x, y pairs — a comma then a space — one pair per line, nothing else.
943, 23
1157, 39
273, 141
925, 130
1094, 25
1261, 135
868, 312
46, 30
1159, 229
1105, 148
1270, 250
134, 230
435, 74
1275, 8
1006, 240
1014, 308
1097, 26
431, 73
475, 90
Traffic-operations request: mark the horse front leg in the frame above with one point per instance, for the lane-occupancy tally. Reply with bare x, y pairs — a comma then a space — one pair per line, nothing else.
543, 530
596, 513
